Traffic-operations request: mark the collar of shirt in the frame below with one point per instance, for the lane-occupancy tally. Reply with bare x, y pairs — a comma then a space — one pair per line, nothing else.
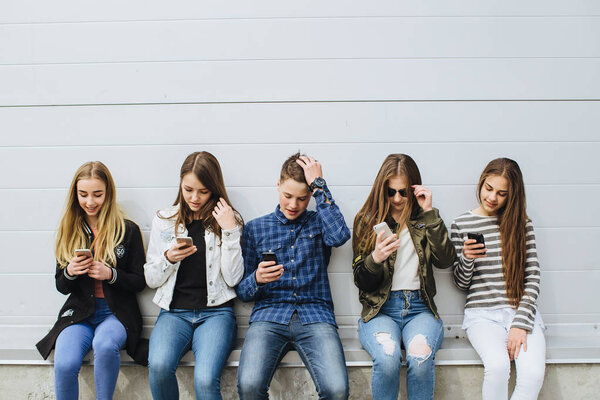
281, 217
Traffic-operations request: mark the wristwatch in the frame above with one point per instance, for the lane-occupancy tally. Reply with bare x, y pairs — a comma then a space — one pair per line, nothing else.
317, 183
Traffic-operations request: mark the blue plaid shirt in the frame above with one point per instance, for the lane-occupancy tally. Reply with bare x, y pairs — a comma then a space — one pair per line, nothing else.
303, 246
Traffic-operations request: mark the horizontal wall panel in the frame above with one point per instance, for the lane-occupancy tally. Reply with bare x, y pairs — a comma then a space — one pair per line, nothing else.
46, 301
440, 163
302, 38
300, 123
302, 80
24, 11
551, 245
39, 210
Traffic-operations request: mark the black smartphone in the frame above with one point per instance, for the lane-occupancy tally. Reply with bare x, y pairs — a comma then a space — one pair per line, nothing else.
477, 236
269, 256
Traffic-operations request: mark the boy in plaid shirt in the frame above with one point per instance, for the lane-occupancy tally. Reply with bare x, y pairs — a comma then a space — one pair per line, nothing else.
293, 307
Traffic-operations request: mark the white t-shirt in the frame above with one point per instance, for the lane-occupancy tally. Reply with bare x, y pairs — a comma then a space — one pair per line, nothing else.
406, 267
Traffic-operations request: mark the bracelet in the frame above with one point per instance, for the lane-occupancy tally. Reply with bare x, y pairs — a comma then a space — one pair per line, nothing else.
114, 276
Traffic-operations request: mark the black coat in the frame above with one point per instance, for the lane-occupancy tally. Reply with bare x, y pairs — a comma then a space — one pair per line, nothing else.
120, 296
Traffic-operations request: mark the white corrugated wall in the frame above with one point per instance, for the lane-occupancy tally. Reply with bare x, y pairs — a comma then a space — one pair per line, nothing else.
141, 84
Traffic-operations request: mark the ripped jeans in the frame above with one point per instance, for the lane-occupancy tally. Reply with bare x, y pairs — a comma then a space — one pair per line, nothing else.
404, 316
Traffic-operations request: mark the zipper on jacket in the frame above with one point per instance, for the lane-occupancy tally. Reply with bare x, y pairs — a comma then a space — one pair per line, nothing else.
421, 279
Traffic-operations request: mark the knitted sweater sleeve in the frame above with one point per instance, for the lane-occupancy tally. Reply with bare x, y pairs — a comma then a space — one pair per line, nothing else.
463, 268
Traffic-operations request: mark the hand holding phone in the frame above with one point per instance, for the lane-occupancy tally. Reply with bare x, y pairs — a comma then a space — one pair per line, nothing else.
80, 264
99, 271
183, 248
385, 244
474, 246
268, 270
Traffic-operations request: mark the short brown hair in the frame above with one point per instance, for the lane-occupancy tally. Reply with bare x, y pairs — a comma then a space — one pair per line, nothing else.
292, 170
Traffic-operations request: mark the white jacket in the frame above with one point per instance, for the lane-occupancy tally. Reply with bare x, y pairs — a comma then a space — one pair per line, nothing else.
224, 264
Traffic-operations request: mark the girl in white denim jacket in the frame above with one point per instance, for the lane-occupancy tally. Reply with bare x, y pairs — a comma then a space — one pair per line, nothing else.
195, 282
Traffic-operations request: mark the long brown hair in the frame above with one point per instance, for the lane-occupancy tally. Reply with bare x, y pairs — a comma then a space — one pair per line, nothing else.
111, 220
512, 218
206, 168
377, 206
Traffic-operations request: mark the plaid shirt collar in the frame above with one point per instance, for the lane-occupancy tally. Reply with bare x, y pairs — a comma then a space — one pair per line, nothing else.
281, 217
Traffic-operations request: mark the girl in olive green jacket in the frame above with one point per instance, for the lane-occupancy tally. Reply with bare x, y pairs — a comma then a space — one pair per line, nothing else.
395, 278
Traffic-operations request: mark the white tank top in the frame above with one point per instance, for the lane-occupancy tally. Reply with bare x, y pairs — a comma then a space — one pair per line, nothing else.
406, 267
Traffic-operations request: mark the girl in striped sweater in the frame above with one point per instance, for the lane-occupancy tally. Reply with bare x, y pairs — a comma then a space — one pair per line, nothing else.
502, 279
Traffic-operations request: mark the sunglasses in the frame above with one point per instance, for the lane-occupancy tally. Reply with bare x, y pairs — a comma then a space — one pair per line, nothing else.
392, 192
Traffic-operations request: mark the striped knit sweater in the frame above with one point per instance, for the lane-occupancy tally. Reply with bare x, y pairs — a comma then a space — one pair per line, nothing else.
483, 278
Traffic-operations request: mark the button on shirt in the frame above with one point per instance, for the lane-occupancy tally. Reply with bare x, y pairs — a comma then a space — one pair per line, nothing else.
303, 246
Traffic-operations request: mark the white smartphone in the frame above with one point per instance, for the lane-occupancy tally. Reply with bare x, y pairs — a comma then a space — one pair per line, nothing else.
383, 227
187, 240
83, 252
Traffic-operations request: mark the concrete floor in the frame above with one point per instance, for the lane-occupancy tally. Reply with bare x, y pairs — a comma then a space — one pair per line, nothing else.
563, 381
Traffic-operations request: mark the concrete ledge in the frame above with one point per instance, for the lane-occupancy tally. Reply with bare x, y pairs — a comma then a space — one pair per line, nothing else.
36, 382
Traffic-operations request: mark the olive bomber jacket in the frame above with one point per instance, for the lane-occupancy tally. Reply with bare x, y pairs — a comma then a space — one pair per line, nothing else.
433, 246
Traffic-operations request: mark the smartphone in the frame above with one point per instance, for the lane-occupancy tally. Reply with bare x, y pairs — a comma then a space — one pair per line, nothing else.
269, 256
187, 240
83, 252
476, 236
383, 227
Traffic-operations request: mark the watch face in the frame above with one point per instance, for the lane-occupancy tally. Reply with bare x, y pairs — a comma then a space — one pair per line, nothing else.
319, 182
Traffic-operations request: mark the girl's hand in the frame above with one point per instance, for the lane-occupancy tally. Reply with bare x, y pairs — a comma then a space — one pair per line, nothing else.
472, 249
424, 198
384, 248
79, 265
224, 215
516, 338
179, 251
99, 271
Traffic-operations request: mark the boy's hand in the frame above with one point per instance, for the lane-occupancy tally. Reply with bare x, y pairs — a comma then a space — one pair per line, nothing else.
267, 272
312, 168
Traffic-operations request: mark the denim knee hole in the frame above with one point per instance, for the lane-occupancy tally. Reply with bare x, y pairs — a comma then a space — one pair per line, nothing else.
419, 349
386, 341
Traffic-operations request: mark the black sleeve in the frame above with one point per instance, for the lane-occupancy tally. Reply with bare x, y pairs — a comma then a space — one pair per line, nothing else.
130, 276
64, 284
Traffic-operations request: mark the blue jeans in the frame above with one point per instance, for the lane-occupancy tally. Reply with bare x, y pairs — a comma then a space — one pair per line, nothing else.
404, 317
317, 344
102, 332
210, 333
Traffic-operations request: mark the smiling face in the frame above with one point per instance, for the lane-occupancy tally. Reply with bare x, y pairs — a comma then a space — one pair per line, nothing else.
493, 194
194, 193
397, 201
294, 197
91, 193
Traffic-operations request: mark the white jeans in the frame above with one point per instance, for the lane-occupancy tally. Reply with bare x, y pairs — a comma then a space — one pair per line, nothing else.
489, 338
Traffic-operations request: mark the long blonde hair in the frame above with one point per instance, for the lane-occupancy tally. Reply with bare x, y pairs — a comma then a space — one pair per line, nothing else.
377, 206
111, 220
512, 220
